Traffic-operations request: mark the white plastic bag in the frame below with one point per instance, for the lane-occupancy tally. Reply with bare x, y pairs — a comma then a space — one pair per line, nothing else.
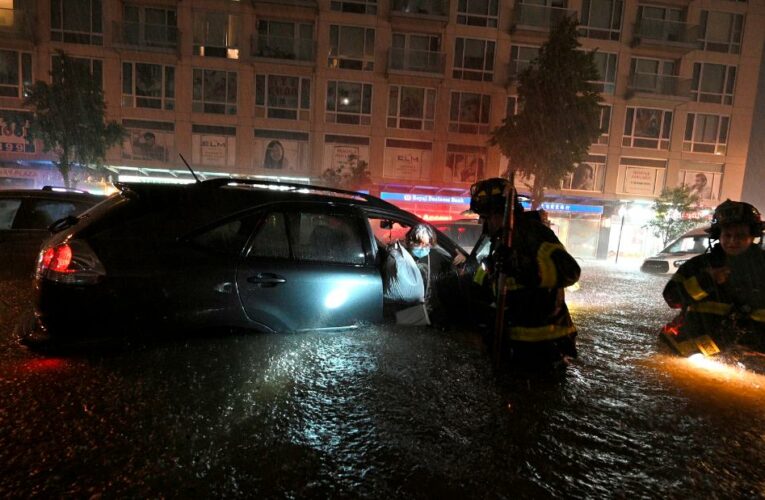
402, 278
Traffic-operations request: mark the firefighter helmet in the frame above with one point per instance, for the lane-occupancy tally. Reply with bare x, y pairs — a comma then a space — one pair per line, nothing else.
735, 212
488, 197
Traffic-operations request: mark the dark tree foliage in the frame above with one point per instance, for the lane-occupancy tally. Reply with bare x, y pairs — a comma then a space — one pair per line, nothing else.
559, 113
676, 212
69, 117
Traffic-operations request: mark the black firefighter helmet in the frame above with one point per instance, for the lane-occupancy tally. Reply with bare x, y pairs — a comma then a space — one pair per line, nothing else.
488, 197
735, 212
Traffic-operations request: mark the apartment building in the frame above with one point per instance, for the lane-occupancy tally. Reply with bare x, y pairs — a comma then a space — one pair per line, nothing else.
293, 88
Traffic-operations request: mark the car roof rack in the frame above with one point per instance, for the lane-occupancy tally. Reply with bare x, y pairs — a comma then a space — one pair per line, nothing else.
225, 181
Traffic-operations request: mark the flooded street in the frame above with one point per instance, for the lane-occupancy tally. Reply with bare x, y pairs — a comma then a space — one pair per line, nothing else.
384, 412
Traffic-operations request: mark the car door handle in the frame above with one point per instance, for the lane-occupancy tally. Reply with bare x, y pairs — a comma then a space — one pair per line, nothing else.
266, 279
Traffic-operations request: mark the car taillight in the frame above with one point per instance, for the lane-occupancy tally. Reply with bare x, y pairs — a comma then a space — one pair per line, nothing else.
72, 262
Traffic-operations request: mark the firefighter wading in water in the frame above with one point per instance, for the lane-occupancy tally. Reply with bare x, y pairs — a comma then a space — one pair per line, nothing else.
722, 292
538, 329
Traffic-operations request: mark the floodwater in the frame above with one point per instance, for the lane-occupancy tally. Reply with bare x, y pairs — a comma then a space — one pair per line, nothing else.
385, 412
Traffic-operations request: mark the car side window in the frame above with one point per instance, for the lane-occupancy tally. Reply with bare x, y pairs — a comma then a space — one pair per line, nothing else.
270, 240
8, 210
322, 237
229, 237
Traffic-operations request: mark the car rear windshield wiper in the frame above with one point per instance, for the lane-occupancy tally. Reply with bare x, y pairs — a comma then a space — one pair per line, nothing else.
61, 224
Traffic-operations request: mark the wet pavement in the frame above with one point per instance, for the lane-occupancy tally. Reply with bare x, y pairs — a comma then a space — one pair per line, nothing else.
383, 412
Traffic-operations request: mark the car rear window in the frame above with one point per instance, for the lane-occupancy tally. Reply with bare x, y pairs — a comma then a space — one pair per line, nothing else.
8, 209
39, 214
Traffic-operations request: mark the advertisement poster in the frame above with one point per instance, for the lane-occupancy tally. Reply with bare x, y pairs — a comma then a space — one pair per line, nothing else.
345, 157
213, 150
274, 156
465, 166
148, 145
640, 180
406, 163
705, 185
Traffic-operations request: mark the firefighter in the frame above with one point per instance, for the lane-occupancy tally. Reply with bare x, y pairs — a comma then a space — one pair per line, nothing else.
721, 293
538, 328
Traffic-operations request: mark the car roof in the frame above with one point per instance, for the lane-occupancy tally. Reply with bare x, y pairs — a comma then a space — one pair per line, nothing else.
50, 193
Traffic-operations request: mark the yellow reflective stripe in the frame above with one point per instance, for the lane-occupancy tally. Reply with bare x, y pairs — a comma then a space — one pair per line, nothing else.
511, 285
719, 308
694, 289
547, 271
758, 315
480, 275
540, 333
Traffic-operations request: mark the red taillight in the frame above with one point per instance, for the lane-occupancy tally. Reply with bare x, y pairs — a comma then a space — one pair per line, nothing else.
62, 257
72, 261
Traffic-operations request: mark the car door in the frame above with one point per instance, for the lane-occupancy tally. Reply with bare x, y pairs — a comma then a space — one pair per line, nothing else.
310, 267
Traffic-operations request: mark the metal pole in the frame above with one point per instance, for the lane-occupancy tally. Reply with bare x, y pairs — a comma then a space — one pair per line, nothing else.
619, 243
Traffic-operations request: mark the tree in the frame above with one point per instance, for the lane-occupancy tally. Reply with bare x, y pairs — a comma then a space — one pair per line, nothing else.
559, 115
68, 117
676, 212
353, 176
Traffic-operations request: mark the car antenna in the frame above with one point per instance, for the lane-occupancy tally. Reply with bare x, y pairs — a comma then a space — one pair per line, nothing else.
190, 169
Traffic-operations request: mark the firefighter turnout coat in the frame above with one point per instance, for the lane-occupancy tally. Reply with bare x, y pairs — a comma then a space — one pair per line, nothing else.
536, 313
730, 312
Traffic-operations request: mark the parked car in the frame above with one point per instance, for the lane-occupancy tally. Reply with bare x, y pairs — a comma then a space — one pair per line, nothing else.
690, 244
25, 215
465, 232
220, 253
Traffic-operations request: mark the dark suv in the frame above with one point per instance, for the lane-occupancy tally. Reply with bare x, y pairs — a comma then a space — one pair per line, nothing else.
25, 215
220, 253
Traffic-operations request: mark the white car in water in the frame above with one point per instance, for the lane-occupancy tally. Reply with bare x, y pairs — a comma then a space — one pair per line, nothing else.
687, 246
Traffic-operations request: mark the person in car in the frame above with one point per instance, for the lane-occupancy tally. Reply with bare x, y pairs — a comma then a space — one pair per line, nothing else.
434, 264
538, 330
722, 293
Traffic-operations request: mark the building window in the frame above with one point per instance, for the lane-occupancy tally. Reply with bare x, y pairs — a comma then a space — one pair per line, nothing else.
605, 62
464, 163
469, 113
721, 31
512, 106
601, 19
216, 34
76, 21
214, 91
474, 60
647, 128
349, 102
355, 6
148, 86
417, 52
587, 176
605, 124
411, 107
706, 133
478, 13
283, 96
150, 26
713, 83
93, 66
655, 76
351, 48
15, 73
521, 57
285, 40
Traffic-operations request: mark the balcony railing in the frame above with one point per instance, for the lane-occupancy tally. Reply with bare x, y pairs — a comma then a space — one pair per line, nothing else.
146, 36
666, 85
420, 61
284, 48
15, 23
539, 17
421, 8
658, 31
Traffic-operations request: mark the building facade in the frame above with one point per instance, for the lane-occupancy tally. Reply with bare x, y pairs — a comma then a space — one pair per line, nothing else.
300, 89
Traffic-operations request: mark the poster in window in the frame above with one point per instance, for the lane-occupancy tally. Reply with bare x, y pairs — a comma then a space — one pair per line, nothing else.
283, 91
147, 145
407, 163
523, 182
465, 167
705, 185
213, 150
280, 156
583, 177
647, 122
14, 133
640, 180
